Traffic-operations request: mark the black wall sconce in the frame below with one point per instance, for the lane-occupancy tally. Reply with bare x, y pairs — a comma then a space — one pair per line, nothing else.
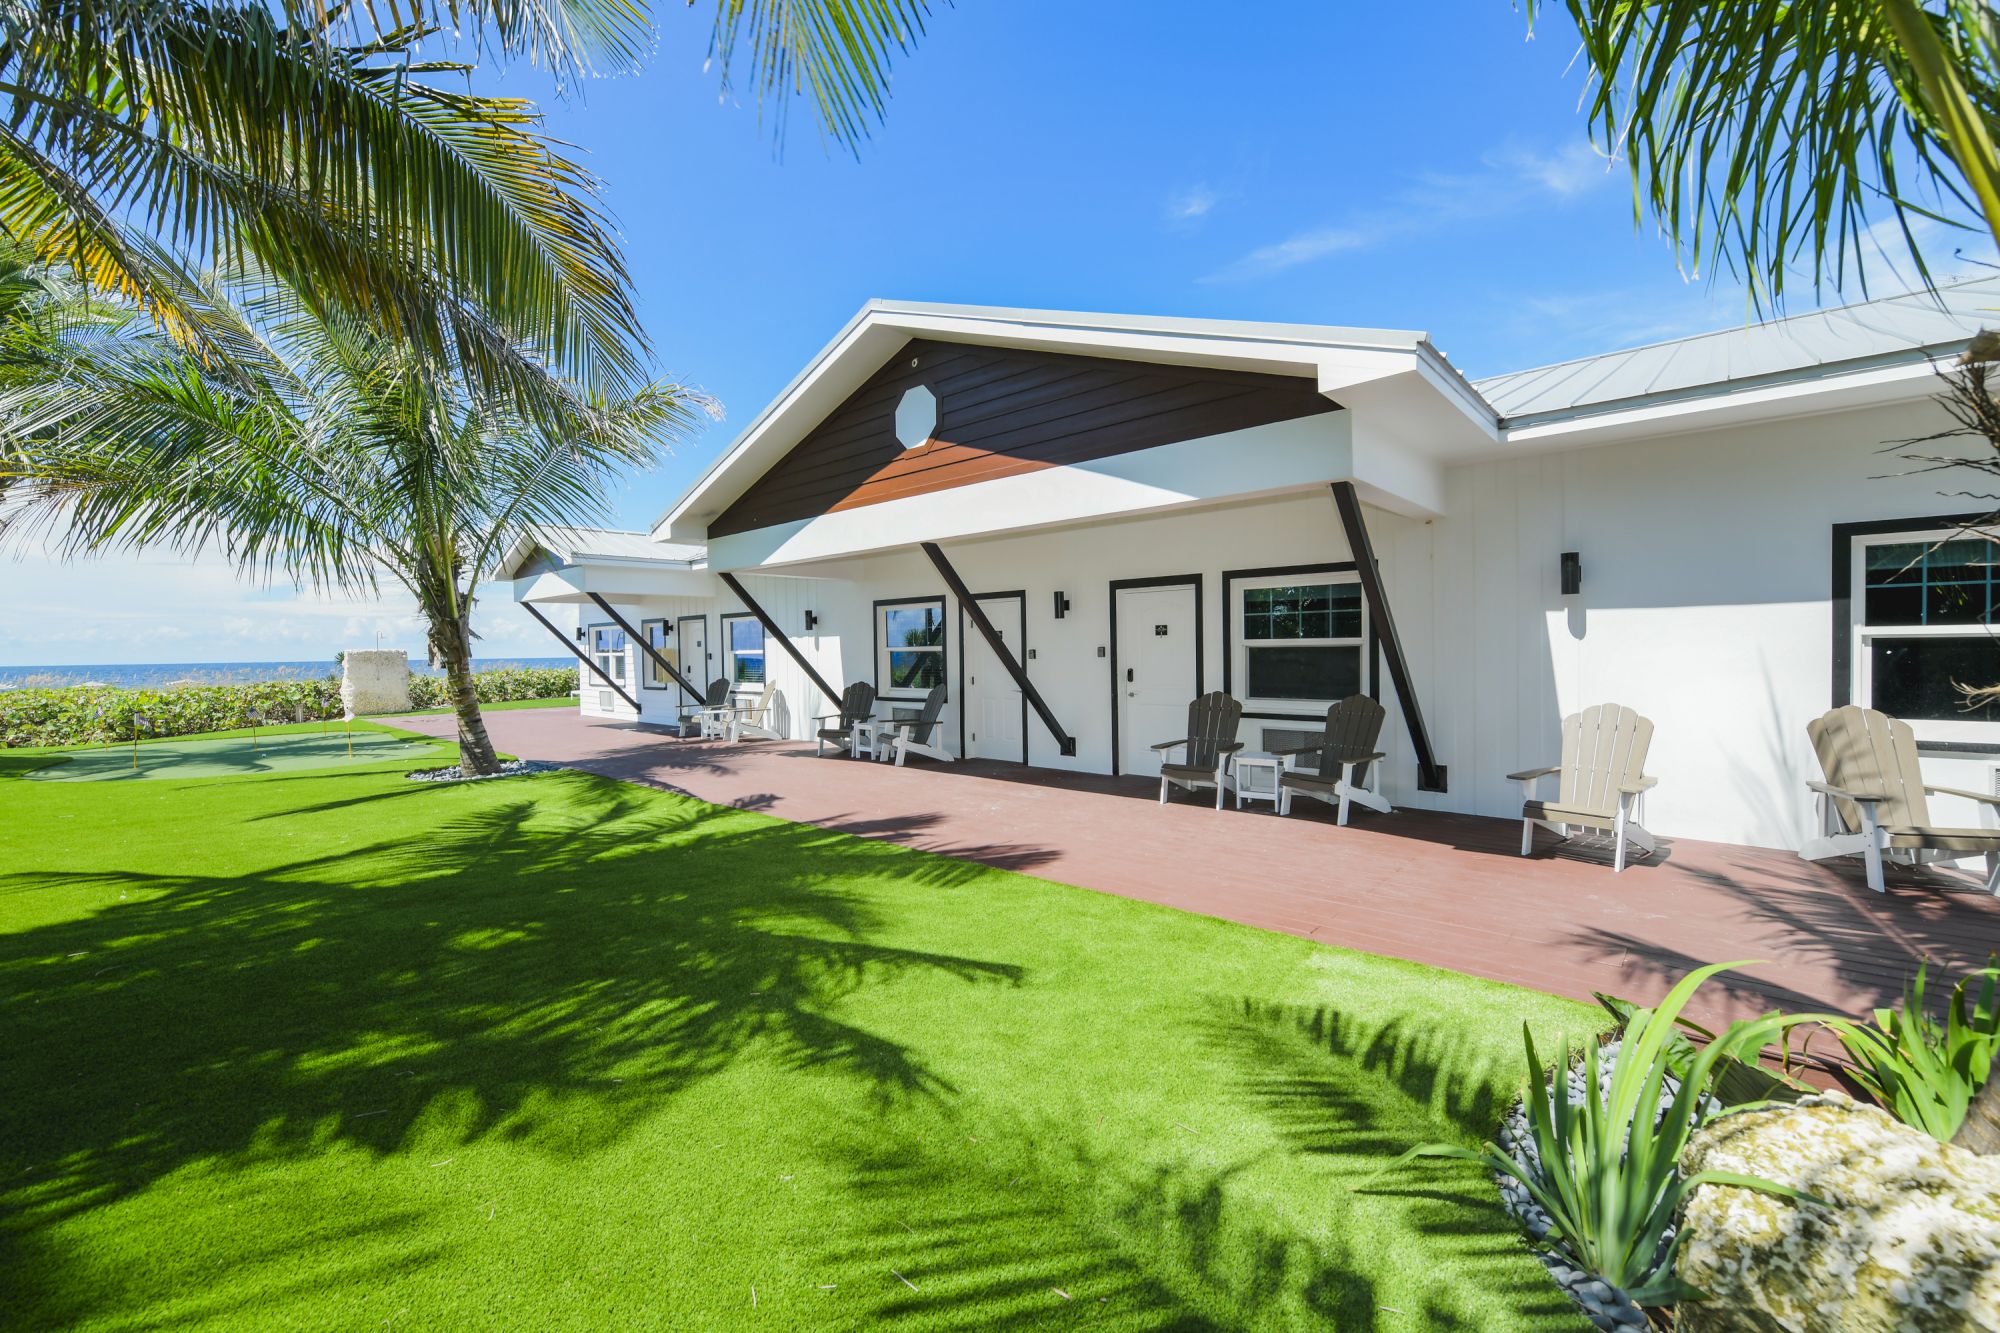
1062, 606
579, 634
1572, 573
811, 620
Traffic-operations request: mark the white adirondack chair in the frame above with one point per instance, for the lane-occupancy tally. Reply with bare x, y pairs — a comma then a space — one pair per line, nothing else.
763, 720
1873, 803
920, 734
1206, 749
1602, 782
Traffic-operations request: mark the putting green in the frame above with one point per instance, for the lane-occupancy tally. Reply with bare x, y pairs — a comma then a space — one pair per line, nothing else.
233, 756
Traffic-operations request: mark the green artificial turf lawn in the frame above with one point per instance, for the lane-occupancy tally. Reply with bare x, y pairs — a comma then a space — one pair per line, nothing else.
337, 1050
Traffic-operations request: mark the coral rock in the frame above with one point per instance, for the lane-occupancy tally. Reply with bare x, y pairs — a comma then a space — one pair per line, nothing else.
1908, 1236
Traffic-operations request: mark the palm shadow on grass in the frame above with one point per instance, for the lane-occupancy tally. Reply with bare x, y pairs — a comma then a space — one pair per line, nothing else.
1355, 1092
543, 970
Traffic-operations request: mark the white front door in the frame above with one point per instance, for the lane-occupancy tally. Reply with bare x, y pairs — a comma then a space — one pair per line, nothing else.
1157, 672
695, 662
992, 700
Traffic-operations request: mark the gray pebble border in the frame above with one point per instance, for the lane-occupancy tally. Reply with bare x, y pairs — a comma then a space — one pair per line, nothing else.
1603, 1304
513, 768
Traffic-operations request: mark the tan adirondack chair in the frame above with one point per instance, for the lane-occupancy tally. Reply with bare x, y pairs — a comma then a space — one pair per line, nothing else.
1873, 804
1333, 768
1210, 741
1602, 783
764, 719
857, 705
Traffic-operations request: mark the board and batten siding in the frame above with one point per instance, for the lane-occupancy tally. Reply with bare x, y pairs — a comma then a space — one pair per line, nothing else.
1705, 606
1000, 412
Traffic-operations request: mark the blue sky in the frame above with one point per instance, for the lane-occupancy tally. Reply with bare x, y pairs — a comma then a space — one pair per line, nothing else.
1403, 166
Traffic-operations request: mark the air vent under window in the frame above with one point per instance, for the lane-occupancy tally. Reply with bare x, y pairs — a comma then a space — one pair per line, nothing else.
1286, 738
604, 700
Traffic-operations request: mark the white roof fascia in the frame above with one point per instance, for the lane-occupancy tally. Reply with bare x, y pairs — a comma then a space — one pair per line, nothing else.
1711, 409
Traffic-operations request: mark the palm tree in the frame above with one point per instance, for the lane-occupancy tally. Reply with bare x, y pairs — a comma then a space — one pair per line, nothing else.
314, 446
1762, 134
319, 140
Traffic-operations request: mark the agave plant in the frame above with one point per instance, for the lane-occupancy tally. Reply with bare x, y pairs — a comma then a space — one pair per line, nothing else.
1923, 1072
1608, 1175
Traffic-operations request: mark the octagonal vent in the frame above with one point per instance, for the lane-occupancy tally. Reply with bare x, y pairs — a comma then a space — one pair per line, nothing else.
916, 417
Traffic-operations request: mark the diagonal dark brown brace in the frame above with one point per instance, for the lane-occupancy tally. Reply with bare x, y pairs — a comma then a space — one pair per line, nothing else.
648, 649
771, 628
977, 615
580, 655
1430, 773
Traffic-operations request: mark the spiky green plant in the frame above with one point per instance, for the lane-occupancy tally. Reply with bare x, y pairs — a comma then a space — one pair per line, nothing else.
1923, 1072
1609, 1177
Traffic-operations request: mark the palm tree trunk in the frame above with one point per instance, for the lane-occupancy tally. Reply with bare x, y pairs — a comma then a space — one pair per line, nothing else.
454, 644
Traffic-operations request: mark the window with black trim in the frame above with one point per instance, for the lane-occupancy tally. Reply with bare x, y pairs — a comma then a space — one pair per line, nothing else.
1300, 640
659, 634
909, 646
743, 651
1922, 606
607, 652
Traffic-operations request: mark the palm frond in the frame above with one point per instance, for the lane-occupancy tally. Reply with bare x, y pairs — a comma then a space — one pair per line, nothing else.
1765, 136
836, 53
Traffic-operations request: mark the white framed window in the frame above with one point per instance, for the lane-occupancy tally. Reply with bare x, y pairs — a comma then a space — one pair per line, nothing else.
659, 634
1923, 610
909, 647
607, 651
1299, 641
743, 652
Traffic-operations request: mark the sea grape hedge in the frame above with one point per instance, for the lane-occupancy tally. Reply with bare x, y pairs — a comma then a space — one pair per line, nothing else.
78, 715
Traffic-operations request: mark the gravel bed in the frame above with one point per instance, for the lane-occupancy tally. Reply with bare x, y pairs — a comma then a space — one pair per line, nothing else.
1606, 1306
513, 768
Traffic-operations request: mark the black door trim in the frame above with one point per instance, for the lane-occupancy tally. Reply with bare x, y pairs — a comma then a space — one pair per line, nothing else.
1020, 595
701, 676
1161, 581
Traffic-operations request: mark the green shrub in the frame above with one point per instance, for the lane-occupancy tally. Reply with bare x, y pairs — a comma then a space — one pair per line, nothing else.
1609, 1177
88, 714
1922, 1071
500, 685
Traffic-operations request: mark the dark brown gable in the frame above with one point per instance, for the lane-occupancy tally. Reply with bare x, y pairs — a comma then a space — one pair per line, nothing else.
1003, 411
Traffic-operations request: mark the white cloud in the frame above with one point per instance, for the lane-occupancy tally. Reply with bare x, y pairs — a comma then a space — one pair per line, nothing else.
1303, 248
1191, 204
1509, 179
168, 609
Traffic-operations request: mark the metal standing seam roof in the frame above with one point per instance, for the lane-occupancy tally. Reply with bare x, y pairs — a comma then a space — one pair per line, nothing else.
581, 544
1906, 328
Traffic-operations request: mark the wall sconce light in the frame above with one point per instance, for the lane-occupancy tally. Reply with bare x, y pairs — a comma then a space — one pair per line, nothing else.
579, 634
1572, 573
1062, 606
811, 620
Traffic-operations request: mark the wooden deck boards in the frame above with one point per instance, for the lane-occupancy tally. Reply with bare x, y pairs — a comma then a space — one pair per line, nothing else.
1448, 890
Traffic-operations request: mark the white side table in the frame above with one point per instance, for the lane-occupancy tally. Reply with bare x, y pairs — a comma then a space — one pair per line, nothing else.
1256, 777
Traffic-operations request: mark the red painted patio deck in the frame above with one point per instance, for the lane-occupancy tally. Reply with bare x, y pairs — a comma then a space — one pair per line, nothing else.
1449, 890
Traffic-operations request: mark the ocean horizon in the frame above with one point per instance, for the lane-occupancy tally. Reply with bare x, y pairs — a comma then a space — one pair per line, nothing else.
158, 675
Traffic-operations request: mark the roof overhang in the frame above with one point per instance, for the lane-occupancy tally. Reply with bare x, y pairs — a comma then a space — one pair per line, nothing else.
569, 564
1417, 408
1839, 389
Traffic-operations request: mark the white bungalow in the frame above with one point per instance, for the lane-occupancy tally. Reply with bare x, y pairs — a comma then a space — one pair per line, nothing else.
1141, 509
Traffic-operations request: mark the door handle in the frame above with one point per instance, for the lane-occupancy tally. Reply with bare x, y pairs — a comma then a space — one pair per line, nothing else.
1128, 675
